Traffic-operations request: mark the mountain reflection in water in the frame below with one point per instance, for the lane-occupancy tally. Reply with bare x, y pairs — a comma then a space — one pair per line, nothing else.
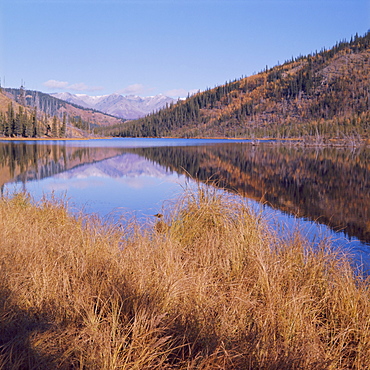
106, 181
327, 185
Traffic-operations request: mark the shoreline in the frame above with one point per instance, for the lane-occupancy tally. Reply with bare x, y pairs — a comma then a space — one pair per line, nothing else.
51, 138
254, 141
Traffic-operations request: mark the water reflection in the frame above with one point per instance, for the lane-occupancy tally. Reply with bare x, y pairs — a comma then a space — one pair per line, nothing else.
327, 185
331, 186
121, 184
108, 181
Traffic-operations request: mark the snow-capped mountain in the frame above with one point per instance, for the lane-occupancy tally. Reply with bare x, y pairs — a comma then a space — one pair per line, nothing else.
128, 107
125, 165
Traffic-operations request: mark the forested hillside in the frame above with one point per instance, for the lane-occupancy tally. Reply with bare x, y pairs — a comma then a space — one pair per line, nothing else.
28, 113
322, 95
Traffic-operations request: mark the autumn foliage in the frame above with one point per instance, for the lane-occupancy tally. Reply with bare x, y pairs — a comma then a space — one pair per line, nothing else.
322, 95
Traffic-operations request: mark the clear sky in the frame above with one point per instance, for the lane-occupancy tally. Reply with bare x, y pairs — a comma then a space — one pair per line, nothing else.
147, 47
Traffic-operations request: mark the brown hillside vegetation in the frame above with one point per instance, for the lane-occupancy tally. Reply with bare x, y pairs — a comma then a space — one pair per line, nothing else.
56, 107
5, 101
19, 120
323, 95
33, 114
215, 290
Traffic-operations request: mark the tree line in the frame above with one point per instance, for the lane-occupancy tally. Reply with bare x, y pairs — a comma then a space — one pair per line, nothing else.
43, 115
324, 93
30, 124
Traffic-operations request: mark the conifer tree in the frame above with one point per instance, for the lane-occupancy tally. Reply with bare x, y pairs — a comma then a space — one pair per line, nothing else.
1, 123
28, 128
35, 128
54, 128
46, 126
63, 128
9, 126
18, 123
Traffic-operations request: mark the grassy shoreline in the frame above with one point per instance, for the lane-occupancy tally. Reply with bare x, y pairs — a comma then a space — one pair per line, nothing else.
208, 286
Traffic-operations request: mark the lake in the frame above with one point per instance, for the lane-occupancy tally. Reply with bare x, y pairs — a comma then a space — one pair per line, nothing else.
116, 178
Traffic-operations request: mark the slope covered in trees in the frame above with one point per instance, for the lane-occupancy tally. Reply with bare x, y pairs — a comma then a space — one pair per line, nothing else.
325, 94
27, 113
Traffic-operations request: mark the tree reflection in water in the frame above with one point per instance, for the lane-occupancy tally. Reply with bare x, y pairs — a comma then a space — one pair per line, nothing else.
327, 185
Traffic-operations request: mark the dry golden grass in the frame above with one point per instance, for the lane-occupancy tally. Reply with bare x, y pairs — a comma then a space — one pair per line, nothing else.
216, 290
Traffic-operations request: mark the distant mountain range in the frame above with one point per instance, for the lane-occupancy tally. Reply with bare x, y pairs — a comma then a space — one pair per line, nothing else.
127, 107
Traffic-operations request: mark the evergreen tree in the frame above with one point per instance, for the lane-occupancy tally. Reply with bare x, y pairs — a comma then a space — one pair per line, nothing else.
1, 123
45, 127
63, 128
28, 128
17, 129
54, 128
35, 128
79, 123
9, 126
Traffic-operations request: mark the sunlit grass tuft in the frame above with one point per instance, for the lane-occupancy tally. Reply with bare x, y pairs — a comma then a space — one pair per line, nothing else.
216, 290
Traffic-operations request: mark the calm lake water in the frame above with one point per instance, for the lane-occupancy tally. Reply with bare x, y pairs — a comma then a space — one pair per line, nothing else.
134, 177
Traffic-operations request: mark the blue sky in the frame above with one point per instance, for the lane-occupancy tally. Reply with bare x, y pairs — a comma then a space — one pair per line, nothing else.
147, 47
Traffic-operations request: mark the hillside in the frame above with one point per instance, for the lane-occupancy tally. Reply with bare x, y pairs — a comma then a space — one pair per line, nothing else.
19, 120
27, 113
56, 107
323, 95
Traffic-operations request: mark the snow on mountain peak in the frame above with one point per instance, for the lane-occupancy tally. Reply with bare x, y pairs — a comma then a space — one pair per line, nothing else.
128, 107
